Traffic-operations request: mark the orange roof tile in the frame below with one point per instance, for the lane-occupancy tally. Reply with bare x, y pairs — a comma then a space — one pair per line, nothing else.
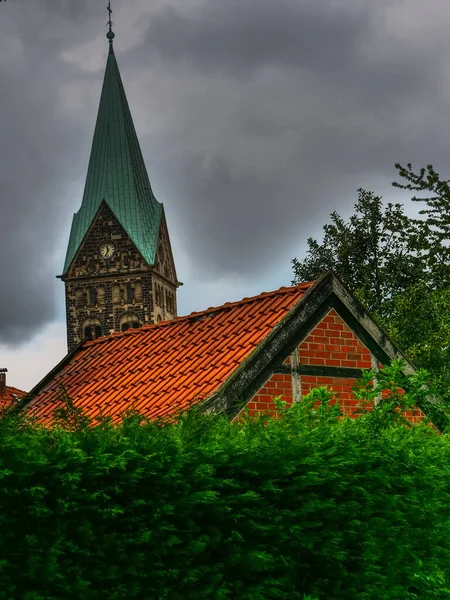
10, 396
161, 368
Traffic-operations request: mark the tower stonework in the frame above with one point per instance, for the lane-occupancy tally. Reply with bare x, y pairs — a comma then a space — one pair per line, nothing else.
119, 271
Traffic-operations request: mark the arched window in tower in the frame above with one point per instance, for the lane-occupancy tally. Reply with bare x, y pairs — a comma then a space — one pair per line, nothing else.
138, 291
129, 292
92, 329
101, 294
129, 321
170, 302
80, 297
92, 296
116, 294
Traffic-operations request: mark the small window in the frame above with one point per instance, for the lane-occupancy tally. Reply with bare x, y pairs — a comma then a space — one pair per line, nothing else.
101, 295
92, 329
138, 291
129, 320
116, 294
129, 292
92, 295
80, 297
169, 298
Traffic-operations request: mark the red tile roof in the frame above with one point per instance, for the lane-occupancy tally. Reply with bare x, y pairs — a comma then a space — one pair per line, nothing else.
10, 396
159, 369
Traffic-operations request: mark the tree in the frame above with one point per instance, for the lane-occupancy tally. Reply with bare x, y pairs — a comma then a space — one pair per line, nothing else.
421, 320
432, 233
420, 324
371, 253
398, 266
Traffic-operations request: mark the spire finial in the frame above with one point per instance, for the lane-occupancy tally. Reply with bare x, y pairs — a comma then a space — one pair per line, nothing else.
110, 35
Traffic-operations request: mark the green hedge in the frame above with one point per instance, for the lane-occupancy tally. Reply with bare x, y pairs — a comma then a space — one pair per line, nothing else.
338, 509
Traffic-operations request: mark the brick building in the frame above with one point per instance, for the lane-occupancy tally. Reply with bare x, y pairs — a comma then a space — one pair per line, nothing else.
119, 271
127, 348
226, 358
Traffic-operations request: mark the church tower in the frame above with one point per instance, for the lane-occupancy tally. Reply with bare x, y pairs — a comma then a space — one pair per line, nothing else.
119, 270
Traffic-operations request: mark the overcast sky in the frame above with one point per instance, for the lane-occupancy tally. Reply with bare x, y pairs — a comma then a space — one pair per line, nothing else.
257, 118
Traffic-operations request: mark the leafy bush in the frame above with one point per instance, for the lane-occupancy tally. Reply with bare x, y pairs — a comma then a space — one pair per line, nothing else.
303, 505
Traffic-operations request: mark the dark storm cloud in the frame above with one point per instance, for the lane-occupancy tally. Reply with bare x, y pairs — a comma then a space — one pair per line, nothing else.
324, 94
38, 152
257, 118
343, 42
241, 36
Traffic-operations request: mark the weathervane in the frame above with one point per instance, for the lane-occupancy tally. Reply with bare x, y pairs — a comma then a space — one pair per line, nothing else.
110, 34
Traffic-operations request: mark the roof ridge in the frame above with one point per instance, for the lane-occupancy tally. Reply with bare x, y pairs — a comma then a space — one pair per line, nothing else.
212, 309
248, 299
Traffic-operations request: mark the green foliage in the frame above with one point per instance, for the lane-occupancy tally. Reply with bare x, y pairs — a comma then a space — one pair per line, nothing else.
397, 266
306, 506
420, 323
431, 234
370, 252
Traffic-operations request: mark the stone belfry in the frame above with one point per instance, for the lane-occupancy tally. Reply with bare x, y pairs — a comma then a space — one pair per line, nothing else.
119, 271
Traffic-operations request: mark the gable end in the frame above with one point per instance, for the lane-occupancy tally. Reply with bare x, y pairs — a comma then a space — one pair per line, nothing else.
271, 355
272, 352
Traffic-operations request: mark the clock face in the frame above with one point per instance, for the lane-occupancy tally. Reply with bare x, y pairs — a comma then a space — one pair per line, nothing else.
107, 250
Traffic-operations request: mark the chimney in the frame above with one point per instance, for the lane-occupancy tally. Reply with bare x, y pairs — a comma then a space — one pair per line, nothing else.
3, 381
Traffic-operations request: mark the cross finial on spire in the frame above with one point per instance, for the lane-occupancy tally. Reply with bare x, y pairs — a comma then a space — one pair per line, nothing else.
110, 35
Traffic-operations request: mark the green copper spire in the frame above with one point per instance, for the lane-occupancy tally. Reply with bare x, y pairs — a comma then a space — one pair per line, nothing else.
116, 173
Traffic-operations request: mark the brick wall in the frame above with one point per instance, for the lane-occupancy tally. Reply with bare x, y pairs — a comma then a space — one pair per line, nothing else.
334, 344
331, 343
278, 385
